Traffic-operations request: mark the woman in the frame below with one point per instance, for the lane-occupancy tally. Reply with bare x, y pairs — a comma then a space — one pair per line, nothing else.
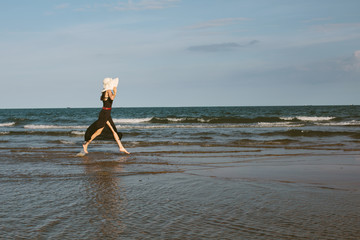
95, 129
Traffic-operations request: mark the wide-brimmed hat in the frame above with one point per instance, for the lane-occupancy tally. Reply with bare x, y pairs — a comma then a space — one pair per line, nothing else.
110, 83
115, 82
107, 84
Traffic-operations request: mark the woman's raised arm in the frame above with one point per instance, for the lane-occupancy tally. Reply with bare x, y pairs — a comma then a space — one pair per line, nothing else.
111, 94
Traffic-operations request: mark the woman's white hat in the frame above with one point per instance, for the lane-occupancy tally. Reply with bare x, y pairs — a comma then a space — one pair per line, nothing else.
107, 84
115, 82
110, 83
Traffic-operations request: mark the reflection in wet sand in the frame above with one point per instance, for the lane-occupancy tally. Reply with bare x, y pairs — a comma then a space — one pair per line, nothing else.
107, 196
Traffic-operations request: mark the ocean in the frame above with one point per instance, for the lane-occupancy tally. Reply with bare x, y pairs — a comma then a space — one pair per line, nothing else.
273, 172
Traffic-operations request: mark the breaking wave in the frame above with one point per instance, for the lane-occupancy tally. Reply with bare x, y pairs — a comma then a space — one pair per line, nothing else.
214, 120
131, 120
307, 118
36, 126
8, 124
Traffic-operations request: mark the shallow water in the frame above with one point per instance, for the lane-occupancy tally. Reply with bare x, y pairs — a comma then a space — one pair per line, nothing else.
183, 180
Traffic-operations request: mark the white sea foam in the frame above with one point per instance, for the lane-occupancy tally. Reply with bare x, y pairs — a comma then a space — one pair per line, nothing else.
80, 154
35, 126
66, 142
278, 124
233, 125
146, 120
158, 126
287, 118
4, 133
348, 123
176, 119
203, 120
162, 126
184, 119
131, 120
308, 118
9, 124
77, 132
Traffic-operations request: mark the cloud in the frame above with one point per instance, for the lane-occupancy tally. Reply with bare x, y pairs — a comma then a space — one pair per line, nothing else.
340, 66
62, 6
144, 5
315, 34
328, 73
352, 63
218, 23
337, 27
56, 9
317, 20
221, 47
130, 5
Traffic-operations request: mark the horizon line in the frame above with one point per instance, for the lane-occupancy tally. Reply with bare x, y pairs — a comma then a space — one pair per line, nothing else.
296, 105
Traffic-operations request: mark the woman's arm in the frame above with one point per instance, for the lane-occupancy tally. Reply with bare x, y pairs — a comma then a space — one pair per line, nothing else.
112, 95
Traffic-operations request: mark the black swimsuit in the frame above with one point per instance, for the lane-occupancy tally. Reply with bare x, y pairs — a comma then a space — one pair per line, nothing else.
104, 116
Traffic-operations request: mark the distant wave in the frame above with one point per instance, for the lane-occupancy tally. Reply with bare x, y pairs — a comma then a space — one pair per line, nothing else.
131, 120
8, 124
277, 124
40, 133
40, 126
307, 118
159, 120
77, 133
274, 130
202, 122
172, 122
239, 119
214, 120
312, 133
224, 125
347, 123
260, 121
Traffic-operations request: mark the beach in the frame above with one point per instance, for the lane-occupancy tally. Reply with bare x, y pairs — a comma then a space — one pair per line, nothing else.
193, 173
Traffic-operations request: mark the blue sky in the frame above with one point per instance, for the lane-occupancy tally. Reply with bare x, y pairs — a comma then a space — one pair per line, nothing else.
179, 52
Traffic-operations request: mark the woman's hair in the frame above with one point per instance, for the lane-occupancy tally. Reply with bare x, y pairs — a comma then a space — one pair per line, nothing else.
102, 97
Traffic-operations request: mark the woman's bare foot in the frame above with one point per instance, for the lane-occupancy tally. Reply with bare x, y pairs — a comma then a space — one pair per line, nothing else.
85, 148
124, 150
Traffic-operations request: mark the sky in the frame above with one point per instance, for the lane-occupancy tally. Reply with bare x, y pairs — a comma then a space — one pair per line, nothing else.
170, 53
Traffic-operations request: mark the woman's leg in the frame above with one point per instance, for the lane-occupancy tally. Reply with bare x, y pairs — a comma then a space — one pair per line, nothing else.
97, 133
122, 149
114, 128
95, 129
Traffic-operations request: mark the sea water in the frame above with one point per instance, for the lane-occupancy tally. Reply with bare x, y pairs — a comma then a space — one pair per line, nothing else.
286, 172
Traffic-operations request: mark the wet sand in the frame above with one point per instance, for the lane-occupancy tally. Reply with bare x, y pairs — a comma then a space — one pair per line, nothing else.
180, 193
333, 171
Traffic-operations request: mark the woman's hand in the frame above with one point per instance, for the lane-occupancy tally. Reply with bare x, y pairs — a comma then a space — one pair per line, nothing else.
114, 90
112, 95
